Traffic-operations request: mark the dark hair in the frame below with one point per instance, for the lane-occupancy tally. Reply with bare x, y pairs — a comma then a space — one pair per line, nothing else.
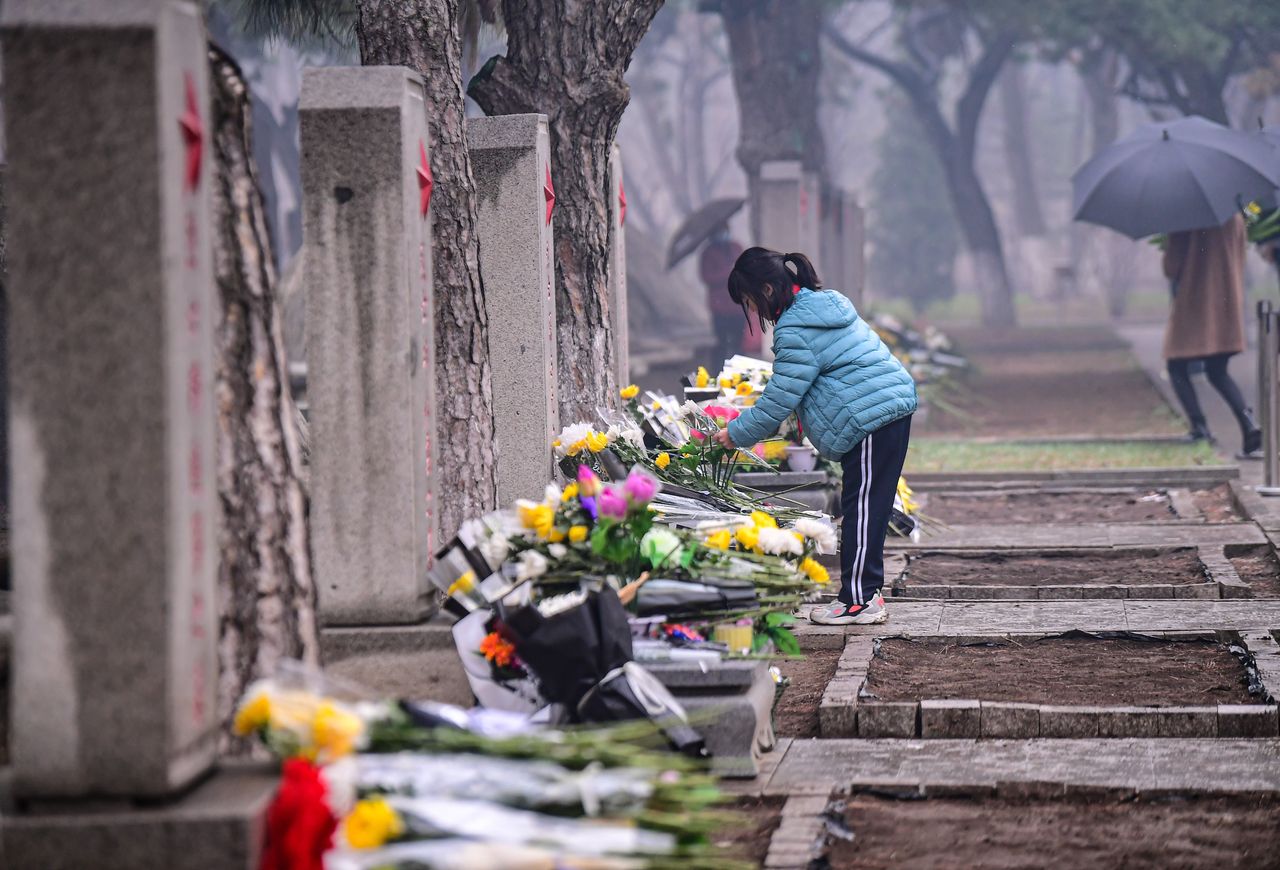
757, 268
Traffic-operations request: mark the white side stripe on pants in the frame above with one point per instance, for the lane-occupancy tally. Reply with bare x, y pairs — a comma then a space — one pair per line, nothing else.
864, 493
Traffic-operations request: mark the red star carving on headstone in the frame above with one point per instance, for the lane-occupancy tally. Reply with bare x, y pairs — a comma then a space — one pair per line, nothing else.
549, 194
425, 181
192, 134
622, 203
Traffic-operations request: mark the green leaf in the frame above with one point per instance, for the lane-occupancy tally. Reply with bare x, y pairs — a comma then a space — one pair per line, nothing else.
784, 640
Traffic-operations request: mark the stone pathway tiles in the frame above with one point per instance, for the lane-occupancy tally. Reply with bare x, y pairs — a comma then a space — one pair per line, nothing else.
1057, 537
916, 618
816, 767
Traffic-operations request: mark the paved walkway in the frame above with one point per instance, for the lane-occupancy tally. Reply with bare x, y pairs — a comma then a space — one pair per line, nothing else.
1014, 536
950, 618
818, 767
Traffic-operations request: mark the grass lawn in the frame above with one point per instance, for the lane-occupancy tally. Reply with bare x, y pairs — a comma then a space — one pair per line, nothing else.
934, 455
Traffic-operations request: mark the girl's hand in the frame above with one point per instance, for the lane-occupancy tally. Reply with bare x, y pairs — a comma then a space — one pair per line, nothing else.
723, 439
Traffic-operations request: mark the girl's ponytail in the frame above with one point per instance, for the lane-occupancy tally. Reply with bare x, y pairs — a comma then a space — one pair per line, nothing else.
758, 268
806, 275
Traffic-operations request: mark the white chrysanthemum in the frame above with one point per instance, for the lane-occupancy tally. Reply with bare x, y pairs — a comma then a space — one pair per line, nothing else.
572, 434
779, 542
822, 533
552, 494
531, 564
558, 551
495, 549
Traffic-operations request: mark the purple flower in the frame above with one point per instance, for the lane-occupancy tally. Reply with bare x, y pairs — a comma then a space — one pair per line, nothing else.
589, 505
611, 503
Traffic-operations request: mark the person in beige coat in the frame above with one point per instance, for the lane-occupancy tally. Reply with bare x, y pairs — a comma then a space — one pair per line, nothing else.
1205, 269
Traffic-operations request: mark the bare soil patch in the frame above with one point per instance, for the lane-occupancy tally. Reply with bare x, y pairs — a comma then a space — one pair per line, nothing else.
747, 839
1072, 669
1056, 568
1222, 832
797, 711
1216, 504
1138, 506
1258, 567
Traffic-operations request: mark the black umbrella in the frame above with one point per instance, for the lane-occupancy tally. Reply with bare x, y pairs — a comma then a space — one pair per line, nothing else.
1184, 175
700, 226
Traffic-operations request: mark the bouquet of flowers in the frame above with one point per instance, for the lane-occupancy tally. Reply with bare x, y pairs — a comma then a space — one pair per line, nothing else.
448, 797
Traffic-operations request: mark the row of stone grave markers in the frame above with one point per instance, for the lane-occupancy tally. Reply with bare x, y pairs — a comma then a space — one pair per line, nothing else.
112, 313
113, 310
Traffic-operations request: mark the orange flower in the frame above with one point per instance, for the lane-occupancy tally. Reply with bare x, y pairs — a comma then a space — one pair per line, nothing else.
498, 650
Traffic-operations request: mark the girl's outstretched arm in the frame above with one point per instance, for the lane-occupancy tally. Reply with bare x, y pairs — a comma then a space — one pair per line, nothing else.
795, 368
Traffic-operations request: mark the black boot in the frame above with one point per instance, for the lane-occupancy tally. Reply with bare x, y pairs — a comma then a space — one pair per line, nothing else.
1199, 431
1251, 436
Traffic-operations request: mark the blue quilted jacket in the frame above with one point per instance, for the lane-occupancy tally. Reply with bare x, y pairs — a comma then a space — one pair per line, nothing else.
832, 369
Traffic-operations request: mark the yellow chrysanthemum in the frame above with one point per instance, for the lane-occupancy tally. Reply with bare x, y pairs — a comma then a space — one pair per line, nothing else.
538, 517
597, 441
775, 449
570, 492
629, 392
577, 534
371, 823
748, 537
662, 460
719, 540
656, 405
814, 570
334, 731
909, 504
556, 535
727, 383
744, 389
762, 520
576, 447
254, 714
463, 584
1253, 208
702, 378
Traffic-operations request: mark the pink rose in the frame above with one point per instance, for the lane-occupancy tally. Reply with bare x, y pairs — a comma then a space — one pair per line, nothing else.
588, 483
640, 487
612, 503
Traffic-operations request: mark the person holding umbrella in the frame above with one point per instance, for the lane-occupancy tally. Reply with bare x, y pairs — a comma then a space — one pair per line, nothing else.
1187, 179
1205, 269
714, 266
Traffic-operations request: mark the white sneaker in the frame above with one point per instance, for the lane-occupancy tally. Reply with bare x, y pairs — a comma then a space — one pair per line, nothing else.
839, 613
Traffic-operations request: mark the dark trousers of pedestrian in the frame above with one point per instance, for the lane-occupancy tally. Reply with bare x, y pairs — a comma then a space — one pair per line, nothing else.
871, 472
728, 330
1215, 369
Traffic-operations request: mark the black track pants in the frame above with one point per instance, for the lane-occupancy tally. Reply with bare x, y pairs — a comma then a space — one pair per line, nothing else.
871, 472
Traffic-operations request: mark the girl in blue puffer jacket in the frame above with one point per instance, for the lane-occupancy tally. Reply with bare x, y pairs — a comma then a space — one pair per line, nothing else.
854, 400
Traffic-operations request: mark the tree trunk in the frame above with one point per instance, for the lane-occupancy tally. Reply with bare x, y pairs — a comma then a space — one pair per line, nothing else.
266, 597
422, 35
567, 60
776, 61
982, 238
956, 150
1029, 217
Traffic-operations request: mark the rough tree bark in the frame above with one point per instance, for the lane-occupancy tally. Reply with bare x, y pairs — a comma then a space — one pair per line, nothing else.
266, 597
776, 59
566, 59
422, 35
1017, 149
956, 151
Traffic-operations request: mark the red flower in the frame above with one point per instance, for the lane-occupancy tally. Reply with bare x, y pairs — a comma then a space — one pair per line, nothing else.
300, 824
